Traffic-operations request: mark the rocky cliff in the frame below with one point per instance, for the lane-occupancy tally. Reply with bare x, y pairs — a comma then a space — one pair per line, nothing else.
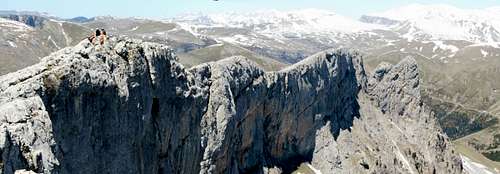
129, 107
30, 20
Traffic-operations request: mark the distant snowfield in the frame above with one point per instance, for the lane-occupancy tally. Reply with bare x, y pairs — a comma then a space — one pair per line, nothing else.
14, 25
450, 23
442, 46
440, 22
445, 30
473, 167
300, 21
12, 44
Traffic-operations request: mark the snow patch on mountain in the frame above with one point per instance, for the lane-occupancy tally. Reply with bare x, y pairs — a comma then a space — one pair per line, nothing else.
135, 28
12, 44
439, 45
301, 21
49, 38
425, 11
491, 44
473, 167
184, 26
444, 22
484, 53
66, 37
15, 26
243, 40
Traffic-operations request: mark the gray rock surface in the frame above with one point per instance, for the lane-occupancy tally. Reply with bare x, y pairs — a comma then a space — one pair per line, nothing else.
129, 107
30, 20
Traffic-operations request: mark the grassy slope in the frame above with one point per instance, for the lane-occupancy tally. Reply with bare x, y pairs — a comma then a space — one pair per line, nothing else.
464, 148
37, 43
220, 51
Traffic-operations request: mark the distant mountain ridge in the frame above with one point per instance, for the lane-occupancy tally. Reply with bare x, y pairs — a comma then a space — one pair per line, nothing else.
448, 22
80, 19
299, 21
438, 22
315, 30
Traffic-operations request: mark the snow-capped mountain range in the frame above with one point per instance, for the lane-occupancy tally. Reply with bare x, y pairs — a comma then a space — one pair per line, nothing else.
447, 23
433, 31
300, 21
420, 22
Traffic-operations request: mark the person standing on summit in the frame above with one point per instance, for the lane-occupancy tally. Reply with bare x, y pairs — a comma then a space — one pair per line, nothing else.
99, 36
103, 36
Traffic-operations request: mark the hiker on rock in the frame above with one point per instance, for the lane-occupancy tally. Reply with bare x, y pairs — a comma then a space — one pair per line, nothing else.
99, 36
91, 38
103, 36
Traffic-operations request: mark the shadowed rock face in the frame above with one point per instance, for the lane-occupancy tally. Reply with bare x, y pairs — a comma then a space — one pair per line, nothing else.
129, 107
30, 20
256, 119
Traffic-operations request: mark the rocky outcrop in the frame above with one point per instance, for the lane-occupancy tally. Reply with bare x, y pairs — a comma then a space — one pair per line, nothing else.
30, 20
129, 107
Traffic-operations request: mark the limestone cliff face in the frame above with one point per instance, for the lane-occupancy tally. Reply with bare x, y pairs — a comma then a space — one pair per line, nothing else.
129, 107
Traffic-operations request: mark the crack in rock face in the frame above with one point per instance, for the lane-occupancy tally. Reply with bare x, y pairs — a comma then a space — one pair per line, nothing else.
129, 107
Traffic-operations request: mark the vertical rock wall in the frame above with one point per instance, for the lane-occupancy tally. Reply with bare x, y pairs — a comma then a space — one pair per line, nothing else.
129, 107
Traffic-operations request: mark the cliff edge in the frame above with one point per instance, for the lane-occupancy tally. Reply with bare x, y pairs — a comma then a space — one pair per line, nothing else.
129, 107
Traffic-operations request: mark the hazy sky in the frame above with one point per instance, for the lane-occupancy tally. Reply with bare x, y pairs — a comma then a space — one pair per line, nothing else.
170, 8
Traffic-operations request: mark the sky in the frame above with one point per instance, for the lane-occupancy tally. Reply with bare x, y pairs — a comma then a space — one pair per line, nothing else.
171, 8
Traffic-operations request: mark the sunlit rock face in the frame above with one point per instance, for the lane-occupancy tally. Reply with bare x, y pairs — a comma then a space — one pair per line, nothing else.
128, 107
